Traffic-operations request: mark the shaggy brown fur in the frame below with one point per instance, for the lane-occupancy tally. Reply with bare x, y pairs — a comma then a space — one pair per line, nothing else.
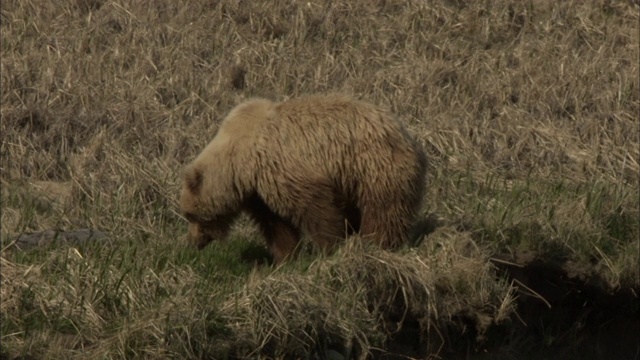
325, 166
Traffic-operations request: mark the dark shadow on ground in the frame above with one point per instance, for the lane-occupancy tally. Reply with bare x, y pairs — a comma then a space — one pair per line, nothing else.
559, 316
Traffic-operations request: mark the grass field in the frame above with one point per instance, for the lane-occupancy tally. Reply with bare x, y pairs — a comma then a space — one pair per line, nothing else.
528, 111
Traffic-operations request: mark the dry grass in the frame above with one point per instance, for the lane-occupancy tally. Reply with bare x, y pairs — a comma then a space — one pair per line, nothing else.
528, 111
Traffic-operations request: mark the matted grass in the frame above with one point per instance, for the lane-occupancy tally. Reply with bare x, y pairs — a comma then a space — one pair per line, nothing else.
528, 112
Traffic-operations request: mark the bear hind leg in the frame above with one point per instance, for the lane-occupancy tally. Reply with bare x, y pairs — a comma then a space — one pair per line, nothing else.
350, 213
388, 225
328, 224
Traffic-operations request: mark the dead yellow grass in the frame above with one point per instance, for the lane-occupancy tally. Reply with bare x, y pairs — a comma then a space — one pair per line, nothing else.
528, 112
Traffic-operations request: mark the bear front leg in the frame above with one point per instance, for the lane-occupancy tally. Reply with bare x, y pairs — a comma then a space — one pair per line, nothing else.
281, 236
282, 240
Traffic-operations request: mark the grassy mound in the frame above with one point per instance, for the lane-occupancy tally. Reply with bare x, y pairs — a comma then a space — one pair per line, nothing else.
351, 304
361, 299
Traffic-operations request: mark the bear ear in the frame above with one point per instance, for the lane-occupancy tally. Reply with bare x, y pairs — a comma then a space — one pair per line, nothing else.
193, 178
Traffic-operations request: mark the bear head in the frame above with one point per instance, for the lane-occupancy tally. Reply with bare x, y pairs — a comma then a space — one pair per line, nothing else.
205, 224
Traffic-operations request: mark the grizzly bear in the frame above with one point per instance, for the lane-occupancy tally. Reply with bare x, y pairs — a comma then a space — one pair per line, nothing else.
323, 166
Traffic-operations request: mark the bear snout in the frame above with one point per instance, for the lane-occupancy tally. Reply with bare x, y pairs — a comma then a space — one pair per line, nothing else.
202, 245
196, 237
200, 241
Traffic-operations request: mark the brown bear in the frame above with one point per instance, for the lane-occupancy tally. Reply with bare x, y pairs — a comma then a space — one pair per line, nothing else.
323, 166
